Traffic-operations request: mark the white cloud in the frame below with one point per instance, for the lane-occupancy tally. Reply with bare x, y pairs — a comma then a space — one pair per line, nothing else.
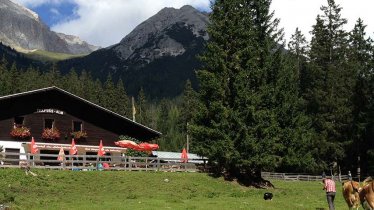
54, 11
106, 22
36, 3
303, 14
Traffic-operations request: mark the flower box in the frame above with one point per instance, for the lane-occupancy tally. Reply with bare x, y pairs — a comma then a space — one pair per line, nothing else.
20, 132
51, 134
79, 135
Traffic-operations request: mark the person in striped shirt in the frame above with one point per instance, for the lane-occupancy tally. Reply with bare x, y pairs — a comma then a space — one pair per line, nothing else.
329, 187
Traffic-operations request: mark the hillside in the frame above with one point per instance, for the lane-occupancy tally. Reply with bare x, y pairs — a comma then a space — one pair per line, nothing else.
159, 55
53, 189
23, 30
21, 61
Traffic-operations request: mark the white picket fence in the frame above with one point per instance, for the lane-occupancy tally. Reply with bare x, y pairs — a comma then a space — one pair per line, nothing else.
91, 162
299, 177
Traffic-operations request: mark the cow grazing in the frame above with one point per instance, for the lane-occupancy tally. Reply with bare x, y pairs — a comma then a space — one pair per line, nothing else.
351, 195
367, 194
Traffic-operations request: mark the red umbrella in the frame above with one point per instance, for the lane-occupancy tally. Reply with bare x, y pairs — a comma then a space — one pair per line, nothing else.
147, 146
127, 144
73, 148
184, 156
33, 147
101, 151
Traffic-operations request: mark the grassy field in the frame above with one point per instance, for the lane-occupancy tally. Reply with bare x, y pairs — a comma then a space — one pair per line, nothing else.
149, 190
50, 56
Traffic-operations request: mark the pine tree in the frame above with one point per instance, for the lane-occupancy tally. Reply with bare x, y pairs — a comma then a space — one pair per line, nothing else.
52, 77
14, 74
298, 51
122, 100
238, 124
30, 80
360, 61
330, 84
72, 83
108, 96
142, 107
188, 107
5, 78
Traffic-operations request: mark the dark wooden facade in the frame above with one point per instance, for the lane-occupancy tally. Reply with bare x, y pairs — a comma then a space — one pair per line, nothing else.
36, 106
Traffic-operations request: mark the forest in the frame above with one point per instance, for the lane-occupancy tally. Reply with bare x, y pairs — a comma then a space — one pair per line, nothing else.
262, 104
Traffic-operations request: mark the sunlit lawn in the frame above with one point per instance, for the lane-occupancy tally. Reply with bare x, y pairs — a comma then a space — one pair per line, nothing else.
148, 190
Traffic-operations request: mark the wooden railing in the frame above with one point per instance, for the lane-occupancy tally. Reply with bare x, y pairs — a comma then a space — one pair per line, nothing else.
299, 177
93, 162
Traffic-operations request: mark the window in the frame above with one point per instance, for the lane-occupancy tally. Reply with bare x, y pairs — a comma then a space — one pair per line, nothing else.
77, 126
18, 121
49, 123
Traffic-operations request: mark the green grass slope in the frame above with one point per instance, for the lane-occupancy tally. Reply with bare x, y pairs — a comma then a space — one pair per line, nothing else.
47, 56
148, 190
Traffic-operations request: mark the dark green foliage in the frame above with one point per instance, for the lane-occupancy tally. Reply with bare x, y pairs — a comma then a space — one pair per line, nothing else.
141, 110
361, 63
250, 114
330, 85
131, 152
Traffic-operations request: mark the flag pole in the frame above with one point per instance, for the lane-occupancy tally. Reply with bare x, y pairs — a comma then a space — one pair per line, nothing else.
188, 143
133, 108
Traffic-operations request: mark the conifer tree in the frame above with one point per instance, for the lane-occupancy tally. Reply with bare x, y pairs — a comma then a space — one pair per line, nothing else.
142, 107
361, 62
108, 96
5, 78
330, 84
188, 107
52, 77
298, 51
122, 100
238, 124
30, 79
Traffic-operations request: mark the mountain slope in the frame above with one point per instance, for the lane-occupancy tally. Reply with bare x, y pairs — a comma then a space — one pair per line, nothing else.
23, 30
21, 61
158, 55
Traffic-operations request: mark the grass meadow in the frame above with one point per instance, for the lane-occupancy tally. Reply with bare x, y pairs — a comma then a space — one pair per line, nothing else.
50, 56
53, 189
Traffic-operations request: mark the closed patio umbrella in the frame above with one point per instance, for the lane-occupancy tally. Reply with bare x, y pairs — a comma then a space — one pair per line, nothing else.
61, 155
184, 156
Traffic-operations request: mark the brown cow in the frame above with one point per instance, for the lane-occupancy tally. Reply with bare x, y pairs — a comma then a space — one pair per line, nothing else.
350, 194
367, 195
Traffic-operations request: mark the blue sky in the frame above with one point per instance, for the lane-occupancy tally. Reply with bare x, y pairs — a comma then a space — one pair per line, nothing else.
106, 22
52, 14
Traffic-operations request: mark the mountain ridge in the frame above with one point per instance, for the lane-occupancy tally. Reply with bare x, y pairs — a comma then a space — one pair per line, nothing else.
159, 55
23, 30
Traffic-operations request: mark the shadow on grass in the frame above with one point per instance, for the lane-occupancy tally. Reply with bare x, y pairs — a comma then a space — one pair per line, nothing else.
244, 179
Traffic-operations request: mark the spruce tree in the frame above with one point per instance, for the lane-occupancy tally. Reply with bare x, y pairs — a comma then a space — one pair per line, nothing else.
122, 101
108, 96
238, 124
329, 89
188, 107
361, 62
298, 52
142, 107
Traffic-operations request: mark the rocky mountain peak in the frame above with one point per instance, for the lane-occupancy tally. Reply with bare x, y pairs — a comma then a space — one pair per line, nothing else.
22, 29
156, 34
18, 9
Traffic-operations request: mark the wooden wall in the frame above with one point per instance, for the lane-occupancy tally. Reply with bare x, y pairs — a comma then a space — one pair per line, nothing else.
64, 123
